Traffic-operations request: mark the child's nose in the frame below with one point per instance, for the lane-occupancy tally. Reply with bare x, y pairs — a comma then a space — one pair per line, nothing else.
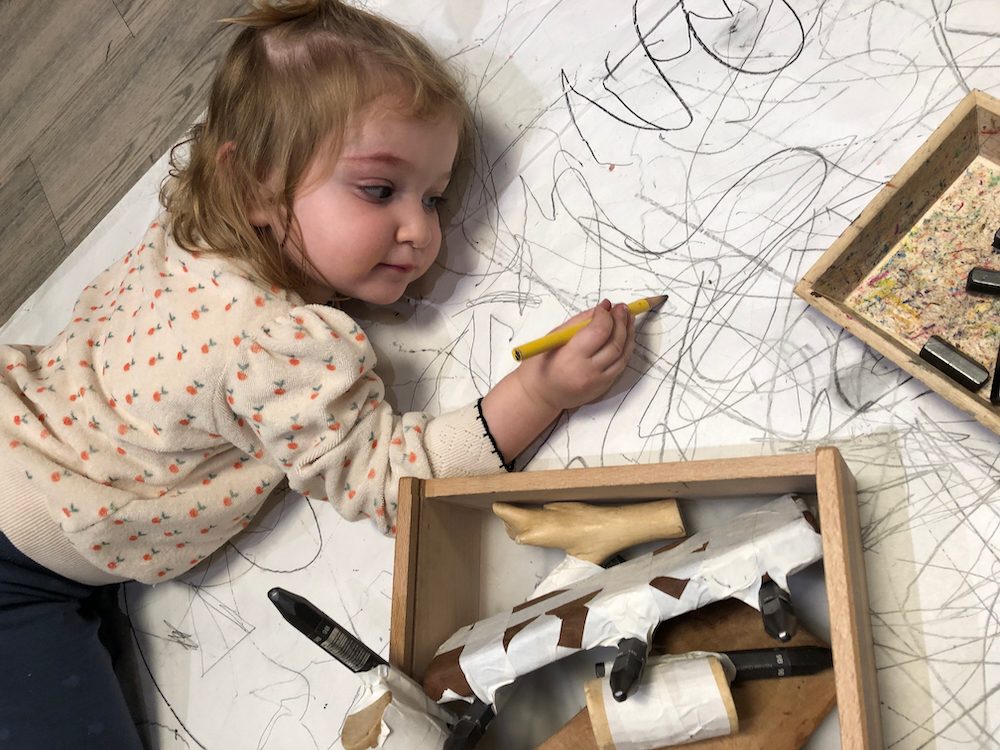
417, 225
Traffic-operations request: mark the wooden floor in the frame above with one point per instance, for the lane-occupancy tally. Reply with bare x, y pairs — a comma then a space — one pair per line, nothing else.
92, 93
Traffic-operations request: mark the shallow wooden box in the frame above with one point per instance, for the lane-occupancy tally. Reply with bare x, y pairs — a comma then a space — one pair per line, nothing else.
436, 582
897, 274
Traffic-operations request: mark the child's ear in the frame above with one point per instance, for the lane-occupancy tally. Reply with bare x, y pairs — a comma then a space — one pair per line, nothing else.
225, 151
258, 216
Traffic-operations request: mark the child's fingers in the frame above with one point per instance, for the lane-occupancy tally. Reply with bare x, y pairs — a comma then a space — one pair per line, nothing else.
582, 317
612, 353
619, 365
589, 340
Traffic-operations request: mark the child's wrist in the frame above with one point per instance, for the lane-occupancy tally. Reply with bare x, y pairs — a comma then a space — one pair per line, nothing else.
515, 414
538, 402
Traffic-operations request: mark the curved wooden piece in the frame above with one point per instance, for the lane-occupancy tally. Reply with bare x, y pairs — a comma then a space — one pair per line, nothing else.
591, 532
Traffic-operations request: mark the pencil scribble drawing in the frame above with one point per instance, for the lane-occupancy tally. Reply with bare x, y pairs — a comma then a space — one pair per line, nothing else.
711, 150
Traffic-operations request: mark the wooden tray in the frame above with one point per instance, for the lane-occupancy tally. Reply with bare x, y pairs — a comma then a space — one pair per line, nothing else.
436, 581
896, 276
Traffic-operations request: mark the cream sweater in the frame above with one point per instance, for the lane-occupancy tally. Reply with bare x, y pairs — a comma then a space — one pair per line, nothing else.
152, 429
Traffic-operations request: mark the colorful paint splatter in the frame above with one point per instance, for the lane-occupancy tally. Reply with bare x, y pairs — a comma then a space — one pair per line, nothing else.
919, 290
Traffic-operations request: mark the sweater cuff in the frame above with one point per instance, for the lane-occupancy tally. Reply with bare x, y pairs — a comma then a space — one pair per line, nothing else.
459, 444
27, 524
509, 466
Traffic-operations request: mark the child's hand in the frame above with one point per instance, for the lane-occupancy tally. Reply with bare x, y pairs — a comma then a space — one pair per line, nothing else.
584, 368
524, 403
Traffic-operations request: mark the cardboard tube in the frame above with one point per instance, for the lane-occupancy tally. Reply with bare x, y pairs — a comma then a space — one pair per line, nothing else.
680, 699
727, 695
598, 714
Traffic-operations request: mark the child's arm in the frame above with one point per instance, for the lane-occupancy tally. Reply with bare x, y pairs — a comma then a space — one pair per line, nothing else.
525, 402
301, 394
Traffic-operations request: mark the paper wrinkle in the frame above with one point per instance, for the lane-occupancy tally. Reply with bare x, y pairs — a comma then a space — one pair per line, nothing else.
411, 721
540, 640
633, 616
405, 727
749, 596
494, 669
373, 686
727, 664
774, 538
484, 661
567, 573
455, 640
449, 695
678, 700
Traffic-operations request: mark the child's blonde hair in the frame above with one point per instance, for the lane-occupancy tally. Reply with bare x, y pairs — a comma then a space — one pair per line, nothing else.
295, 79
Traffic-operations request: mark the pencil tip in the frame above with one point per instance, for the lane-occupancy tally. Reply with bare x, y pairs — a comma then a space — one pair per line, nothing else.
654, 301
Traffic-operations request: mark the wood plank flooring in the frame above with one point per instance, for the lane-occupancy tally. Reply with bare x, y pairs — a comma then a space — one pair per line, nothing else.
92, 92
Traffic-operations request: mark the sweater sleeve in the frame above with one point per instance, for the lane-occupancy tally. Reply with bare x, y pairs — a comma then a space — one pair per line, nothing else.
304, 386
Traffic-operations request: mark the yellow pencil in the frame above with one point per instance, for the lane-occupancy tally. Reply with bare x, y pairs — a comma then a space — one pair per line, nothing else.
560, 337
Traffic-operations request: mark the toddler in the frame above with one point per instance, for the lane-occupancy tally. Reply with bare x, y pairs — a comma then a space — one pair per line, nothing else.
208, 365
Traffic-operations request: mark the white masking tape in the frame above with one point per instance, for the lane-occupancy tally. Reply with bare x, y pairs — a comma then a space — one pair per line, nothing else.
679, 699
411, 720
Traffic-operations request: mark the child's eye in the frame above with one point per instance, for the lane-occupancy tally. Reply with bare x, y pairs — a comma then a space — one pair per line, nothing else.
378, 192
435, 201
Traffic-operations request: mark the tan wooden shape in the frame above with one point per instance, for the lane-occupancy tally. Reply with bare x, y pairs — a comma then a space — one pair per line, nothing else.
591, 532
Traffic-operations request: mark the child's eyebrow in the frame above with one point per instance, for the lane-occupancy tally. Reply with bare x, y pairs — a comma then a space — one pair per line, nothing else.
386, 157
379, 156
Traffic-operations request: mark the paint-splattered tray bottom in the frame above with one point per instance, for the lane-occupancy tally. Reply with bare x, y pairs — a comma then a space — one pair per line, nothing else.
918, 291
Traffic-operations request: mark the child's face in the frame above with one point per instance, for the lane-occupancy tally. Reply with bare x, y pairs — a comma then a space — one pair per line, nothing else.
371, 226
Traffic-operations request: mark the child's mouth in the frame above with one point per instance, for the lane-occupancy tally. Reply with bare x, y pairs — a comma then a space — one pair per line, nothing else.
397, 268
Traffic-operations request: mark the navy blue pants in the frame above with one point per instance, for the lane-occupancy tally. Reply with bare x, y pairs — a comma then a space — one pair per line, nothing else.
57, 686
